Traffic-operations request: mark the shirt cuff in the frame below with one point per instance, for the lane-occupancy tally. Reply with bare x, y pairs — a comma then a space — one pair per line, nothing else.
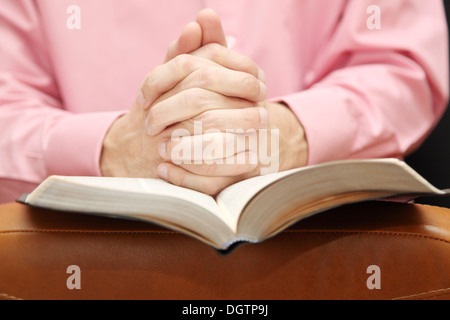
75, 144
328, 123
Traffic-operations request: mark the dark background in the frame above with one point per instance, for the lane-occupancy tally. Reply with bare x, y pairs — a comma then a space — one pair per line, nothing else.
432, 159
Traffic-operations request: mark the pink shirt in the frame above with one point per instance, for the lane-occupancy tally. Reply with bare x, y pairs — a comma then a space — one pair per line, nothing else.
359, 91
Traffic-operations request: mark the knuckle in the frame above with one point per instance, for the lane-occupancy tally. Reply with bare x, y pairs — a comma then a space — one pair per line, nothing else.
207, 76
211, 120
250, 66
251, 85
170, 54
183, 63
215, 51
151, 80
154, 115
193, 98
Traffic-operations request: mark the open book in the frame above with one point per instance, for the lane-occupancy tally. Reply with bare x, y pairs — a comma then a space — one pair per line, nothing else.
249, 211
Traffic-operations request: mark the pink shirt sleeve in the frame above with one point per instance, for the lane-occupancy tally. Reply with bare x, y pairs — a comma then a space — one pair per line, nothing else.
40, 138
376, 92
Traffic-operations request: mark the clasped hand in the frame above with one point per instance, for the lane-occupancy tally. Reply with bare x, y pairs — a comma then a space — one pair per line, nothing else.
198, 118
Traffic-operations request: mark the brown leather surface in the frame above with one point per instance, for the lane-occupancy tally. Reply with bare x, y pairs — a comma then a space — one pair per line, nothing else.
323, 257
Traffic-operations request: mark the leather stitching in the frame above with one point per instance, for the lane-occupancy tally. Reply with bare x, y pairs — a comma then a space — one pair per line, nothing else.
8, 297
169, 232
426, 295
387, 233
434, 296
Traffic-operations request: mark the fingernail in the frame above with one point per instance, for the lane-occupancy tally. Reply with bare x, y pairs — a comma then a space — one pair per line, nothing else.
262, 91
263, 115
140, 100
261, 75
162, 149
162, 171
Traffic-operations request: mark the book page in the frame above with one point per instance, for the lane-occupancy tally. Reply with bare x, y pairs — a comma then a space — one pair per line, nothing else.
324, 186
390, 176
233, 199
148, 186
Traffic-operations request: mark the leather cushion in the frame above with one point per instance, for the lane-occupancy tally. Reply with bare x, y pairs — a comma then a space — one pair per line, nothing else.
326, 256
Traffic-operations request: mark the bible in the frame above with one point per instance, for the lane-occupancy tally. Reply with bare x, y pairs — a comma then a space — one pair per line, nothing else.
249, 211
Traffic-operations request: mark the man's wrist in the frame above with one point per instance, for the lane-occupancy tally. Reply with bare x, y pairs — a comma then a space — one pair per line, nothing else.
293, 143
109, 157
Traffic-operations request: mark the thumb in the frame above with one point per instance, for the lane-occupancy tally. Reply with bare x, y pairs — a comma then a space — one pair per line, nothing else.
189, 40
211, 26
208, 29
